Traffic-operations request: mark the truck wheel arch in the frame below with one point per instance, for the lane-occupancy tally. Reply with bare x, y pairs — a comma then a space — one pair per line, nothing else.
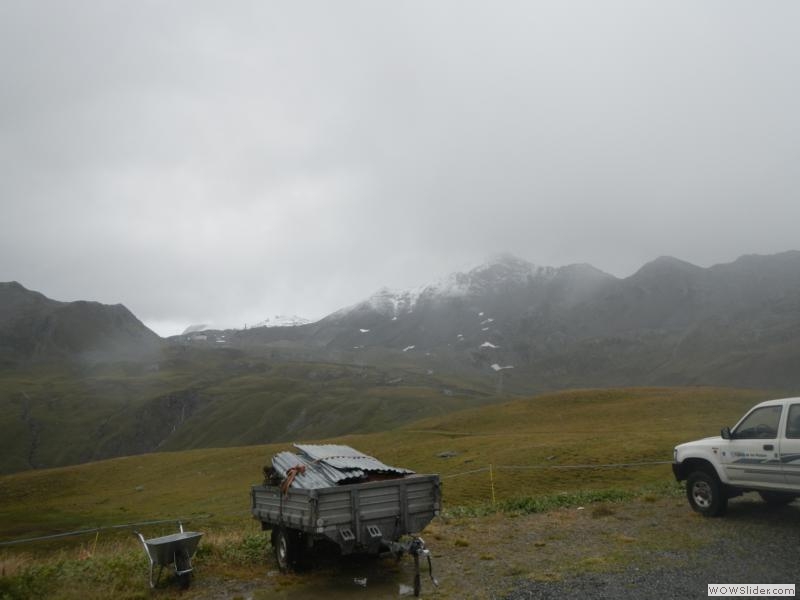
688, 466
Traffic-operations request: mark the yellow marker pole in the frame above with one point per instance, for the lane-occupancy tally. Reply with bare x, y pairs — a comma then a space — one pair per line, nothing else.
491, 479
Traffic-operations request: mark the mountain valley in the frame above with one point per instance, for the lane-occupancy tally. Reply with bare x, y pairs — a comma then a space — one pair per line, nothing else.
83, 381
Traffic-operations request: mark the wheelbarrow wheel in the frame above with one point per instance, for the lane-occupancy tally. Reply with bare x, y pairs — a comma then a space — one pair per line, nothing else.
183, 570
184, 580
286, 545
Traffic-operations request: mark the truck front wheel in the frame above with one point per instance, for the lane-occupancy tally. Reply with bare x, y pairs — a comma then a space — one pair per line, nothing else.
706, 494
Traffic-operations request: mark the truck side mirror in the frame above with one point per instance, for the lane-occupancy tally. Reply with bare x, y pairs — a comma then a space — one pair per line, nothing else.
725, 433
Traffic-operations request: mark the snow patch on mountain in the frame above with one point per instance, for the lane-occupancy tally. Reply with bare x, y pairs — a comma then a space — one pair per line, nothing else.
393, 303
283, 321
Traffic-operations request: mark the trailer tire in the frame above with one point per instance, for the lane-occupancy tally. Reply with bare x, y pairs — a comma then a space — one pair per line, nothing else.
287, 545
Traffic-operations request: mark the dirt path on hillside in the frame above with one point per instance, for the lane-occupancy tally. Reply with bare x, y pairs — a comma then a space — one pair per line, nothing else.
649, 546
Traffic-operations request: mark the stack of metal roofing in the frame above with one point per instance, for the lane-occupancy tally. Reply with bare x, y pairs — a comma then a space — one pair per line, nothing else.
329, 464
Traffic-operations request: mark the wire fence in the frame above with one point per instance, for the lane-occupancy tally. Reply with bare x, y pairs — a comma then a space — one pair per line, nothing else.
542, 467
494, 483
501, 481
117, 527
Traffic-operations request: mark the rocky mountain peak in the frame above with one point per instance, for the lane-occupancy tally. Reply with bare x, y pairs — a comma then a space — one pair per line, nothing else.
504, 269
500, 271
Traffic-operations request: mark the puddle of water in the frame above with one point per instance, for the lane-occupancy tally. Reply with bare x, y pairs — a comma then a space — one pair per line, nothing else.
350, 577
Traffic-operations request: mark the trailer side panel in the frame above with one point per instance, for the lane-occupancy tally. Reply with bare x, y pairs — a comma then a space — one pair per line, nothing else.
357, 517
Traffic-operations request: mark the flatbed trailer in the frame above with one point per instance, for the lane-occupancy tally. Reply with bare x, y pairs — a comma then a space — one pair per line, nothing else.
370, 517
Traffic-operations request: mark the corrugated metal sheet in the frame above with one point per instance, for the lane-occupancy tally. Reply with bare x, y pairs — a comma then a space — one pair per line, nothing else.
317, 475
329, 465
345, 457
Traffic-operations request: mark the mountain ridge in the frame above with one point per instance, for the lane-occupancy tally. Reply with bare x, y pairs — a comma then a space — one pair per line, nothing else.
565, 324
36, 328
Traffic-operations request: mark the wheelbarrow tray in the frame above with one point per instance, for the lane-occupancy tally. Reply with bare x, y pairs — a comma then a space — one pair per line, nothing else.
162, 550
176, 549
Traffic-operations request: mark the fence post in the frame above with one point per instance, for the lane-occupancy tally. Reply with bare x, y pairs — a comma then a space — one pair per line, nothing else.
491, 480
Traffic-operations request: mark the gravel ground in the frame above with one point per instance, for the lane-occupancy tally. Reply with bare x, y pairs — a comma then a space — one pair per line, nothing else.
643, 548
753, 544
664, 583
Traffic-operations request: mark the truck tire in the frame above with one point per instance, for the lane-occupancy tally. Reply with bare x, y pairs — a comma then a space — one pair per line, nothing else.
287, 545
776, 498
706, 494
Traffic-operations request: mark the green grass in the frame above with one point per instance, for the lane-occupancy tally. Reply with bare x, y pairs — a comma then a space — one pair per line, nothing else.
569, 428
114, 566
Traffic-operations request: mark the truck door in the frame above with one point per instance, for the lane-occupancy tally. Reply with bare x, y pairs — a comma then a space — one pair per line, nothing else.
751, 456
790, 447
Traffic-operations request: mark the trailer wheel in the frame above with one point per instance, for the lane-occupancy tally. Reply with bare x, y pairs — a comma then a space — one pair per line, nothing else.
287, 545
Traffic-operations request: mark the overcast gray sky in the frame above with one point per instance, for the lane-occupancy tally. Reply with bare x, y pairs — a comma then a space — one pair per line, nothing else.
223, 162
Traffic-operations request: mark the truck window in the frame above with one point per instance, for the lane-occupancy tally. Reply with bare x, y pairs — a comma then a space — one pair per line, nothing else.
793, 422
761, 424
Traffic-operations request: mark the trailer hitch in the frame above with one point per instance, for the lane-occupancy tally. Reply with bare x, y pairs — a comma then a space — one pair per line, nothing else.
416, 549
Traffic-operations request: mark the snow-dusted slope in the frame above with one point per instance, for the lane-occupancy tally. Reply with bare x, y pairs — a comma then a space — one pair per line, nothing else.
501, 272
283, 321
478, 311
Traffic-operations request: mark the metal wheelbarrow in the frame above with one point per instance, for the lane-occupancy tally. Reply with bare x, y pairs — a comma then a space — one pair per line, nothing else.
176, 549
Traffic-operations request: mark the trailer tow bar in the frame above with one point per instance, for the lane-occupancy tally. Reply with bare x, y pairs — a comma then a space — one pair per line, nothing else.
415, 549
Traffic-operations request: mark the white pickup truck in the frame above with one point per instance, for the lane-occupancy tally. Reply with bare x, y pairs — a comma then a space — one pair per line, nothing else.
760, 453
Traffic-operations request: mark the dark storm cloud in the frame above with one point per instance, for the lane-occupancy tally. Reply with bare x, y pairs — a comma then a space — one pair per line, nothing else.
225, 162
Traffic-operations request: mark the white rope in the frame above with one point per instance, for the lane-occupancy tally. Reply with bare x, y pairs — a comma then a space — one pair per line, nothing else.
465, 473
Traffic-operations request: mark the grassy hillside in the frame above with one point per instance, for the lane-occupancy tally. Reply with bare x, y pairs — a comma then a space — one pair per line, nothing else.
56, 415
570, 428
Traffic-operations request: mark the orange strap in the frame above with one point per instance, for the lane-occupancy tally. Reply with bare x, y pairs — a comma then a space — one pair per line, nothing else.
290, 475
